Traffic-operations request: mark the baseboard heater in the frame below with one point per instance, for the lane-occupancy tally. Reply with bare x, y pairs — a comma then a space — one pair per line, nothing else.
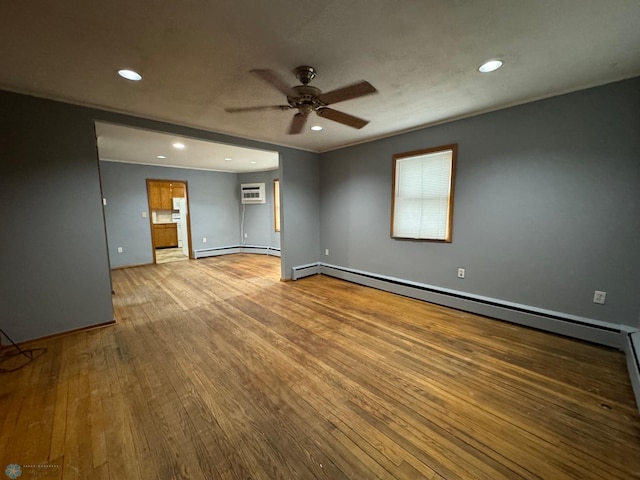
307, 270
228, 250
591, 330
632, 351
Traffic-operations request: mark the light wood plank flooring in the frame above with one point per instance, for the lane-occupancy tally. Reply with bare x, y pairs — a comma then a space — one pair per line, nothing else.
217, 370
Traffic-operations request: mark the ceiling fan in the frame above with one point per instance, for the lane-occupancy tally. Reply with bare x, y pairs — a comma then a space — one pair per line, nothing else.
306, 98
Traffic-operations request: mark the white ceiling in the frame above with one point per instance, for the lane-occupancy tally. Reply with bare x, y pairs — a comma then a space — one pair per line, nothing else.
132, 145
421, 55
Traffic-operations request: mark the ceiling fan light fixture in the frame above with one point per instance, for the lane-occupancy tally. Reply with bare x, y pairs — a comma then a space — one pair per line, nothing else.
130, 75
179, 146
316, 128
490, 66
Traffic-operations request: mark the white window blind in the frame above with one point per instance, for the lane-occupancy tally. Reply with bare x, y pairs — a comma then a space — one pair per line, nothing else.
422, 195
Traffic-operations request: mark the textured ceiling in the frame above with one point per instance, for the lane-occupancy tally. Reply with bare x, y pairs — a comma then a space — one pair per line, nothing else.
422, 56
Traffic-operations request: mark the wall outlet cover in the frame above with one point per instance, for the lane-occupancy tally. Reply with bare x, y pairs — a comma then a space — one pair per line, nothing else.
599, 297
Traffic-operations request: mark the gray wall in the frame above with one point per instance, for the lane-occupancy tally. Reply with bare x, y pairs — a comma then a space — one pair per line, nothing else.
258, 219
56, 274
53, 252
213, 200
300, 209
547, 205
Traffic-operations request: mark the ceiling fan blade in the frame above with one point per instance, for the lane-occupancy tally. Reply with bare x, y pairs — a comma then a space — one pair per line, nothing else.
297, 123
355, 90
341, 117
255, 109
273, 79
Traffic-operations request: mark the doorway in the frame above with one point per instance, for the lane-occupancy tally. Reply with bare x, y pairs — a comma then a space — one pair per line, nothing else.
130, 156
169, 219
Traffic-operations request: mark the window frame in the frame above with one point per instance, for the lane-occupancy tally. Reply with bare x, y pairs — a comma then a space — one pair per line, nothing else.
276, 205
418, 153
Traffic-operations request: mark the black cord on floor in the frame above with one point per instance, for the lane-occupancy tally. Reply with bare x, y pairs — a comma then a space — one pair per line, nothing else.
30, 354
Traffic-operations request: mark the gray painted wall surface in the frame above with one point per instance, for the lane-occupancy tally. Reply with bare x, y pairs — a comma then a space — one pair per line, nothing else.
213, 200
55, 271
258, 219
300, 209
547, 205
56, 274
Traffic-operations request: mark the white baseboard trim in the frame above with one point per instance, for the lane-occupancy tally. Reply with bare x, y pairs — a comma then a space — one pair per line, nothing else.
307, 270
228, 250
592, 330
632, 351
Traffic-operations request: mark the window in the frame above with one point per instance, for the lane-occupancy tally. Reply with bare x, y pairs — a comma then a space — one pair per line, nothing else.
276, 204
422, 200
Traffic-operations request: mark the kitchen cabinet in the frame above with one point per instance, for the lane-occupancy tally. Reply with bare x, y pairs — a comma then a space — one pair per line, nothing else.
165, 235
177, 190
160, 195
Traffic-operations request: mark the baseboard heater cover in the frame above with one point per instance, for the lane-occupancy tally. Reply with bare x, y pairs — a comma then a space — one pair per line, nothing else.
228, 250
591, 330
632, 351
307, 270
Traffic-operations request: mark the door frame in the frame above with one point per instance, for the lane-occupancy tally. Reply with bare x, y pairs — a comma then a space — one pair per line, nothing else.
188, 219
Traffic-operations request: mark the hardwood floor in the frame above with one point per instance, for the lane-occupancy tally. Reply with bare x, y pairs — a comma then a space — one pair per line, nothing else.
217, 370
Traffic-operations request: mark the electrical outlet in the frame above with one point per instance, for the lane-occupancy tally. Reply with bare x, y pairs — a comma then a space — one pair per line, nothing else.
461, 273
104, 201
246, 235
599, 297
144, 214
120, 250
326, 251
204, 239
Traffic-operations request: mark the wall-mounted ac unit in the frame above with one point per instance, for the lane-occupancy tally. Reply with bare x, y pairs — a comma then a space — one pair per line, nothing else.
252, 193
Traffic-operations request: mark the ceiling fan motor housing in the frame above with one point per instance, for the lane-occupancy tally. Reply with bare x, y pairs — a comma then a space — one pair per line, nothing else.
305, 98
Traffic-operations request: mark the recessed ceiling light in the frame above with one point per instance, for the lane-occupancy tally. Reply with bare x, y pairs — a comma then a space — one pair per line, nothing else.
130, 75
316, 128
160, 156
228, 159
179, 146
253, 162
490, 66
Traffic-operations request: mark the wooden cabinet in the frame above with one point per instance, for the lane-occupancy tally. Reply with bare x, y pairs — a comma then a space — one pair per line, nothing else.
165, 235
160, 195
177, 190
